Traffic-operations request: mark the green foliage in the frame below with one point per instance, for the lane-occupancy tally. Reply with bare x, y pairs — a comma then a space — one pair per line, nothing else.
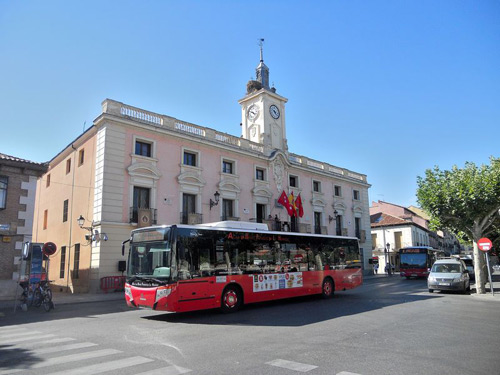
464, 201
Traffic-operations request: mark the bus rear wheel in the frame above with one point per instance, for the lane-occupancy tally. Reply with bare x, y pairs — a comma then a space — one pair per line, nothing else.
327, 289
231, 300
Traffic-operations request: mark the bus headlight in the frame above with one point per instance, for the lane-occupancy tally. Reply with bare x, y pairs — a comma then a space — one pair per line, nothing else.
162, 293
128, 292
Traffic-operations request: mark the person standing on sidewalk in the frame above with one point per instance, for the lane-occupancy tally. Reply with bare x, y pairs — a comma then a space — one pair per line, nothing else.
375, 268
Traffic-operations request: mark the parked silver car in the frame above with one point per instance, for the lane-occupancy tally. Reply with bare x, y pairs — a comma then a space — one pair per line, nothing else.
448, 274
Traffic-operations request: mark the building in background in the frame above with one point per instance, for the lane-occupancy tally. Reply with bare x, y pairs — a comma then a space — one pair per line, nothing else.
447, 241
135, 168
18, 179
394, 227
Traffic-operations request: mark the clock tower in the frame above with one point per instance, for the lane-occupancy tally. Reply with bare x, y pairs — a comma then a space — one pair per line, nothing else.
263, 111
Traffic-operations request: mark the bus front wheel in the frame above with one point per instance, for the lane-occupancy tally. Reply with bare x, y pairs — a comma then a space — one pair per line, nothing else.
231, 300
328, 288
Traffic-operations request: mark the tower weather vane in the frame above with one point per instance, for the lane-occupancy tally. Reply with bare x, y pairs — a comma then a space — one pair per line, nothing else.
261, 44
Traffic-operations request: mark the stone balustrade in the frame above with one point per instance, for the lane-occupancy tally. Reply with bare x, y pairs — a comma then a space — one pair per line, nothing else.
166, 122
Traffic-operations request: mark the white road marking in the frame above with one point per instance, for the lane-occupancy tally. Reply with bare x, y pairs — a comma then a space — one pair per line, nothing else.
104, 367
20, 339
75, 357
9, 328
13, 371
347, 373
26, 345
296, 366
19, 334
170, 370
51, 349
64, 359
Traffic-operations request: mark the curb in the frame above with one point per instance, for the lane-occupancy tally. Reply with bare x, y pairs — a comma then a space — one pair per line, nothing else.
73, 299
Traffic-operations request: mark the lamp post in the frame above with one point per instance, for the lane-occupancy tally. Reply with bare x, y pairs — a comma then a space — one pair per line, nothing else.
94, 234
216, 202
334, 217
387, 258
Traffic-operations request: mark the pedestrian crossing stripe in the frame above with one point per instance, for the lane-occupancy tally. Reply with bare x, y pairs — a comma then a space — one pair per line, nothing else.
296, 366
75, 357
169, 370
47, 350
99, 368
29, 338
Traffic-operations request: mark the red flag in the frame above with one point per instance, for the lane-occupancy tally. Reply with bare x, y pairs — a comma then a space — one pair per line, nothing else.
298, 203
283, 200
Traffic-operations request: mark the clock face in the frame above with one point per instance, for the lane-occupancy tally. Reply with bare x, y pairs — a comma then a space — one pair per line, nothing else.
253, 112
274, 111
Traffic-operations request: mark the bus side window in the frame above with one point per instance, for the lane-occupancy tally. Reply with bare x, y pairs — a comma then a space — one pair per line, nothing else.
184, 264
319, 262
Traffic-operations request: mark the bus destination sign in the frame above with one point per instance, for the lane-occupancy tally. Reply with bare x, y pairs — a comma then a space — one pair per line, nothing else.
150, 235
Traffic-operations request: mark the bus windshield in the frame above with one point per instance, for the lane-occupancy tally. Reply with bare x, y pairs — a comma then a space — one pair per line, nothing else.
413, 260
151, 259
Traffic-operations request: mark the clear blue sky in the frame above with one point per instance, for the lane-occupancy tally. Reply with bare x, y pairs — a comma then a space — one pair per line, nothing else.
384, 88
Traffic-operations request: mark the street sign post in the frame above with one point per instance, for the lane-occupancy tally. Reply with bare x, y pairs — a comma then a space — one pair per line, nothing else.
49, 248
485, 245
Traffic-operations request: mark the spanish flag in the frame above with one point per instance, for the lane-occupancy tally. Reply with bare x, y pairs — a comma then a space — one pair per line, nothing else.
291, 200
284, 201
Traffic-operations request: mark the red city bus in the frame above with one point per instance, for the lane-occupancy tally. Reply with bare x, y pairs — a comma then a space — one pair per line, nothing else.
224, 265
416, 261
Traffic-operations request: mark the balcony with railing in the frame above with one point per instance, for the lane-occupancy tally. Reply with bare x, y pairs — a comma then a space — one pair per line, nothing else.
191, 218
143, 216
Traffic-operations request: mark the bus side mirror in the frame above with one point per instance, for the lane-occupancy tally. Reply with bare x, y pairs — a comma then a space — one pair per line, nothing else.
123, 246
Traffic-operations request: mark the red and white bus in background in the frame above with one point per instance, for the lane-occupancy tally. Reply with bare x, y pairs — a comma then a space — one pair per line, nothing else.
225, 265
417, 261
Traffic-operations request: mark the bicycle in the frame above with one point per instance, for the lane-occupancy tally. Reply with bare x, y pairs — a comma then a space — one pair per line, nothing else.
42, 295
27, 295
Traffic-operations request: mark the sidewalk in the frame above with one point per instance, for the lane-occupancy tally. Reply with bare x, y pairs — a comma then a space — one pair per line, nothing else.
69, 298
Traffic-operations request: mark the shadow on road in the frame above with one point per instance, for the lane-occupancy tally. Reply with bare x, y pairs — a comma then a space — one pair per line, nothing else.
375, 294
13, 358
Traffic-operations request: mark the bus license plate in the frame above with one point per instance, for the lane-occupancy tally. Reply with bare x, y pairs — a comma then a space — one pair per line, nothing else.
444, 284
414, 275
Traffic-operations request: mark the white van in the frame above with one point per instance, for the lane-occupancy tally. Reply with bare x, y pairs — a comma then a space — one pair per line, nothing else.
449, 274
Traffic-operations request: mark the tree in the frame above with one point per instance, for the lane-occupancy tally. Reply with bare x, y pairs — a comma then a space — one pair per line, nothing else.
466, 202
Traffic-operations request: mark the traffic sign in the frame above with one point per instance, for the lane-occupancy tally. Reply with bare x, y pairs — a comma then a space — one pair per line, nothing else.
484, 244
49, 248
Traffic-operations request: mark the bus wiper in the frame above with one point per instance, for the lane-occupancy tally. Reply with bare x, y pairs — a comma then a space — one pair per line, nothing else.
154, 280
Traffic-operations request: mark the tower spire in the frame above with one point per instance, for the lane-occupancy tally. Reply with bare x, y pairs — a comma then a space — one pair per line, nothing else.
261, 44
262, 71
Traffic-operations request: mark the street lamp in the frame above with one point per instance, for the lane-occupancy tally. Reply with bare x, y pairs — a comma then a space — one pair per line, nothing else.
334, 217
216, 197
387, 258
94, 234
